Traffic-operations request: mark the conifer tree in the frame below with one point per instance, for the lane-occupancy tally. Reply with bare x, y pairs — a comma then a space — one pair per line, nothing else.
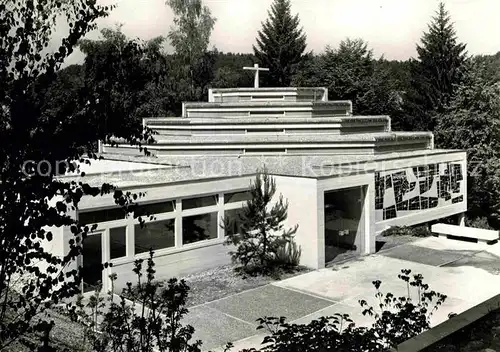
261, 232
281, 44
437, 72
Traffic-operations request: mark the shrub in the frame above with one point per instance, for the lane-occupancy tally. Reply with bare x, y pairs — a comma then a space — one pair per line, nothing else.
396, 320
421, 231
145, 318
479, 223
396, 231
416, 231
288, 255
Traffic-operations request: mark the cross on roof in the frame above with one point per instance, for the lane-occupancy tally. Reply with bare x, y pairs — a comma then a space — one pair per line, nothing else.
256, 68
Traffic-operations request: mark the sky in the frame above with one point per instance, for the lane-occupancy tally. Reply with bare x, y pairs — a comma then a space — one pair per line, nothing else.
391, 27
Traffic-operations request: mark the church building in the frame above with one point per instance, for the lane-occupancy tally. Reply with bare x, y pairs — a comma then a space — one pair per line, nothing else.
346, 178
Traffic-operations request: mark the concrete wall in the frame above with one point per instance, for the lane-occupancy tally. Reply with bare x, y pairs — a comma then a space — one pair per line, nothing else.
301, 194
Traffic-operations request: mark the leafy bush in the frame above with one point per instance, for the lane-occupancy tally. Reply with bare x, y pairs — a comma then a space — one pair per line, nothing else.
396, 231
416, 231
396, 320
421, 231
261, 233
479, 223
144, 318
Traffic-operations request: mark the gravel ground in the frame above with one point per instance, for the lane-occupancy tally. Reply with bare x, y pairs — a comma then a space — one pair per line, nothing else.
222, 281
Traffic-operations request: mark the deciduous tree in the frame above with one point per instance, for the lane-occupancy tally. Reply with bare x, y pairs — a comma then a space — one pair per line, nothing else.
190, 37
38, 144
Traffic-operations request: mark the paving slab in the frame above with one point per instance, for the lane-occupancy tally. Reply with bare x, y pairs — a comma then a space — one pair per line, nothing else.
271, 301
215, 328
463, 271
446, 244
355, 278
423, 255
355, 313
482, 260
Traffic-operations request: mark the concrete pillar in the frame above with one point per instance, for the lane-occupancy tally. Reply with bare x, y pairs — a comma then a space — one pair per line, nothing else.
461, 219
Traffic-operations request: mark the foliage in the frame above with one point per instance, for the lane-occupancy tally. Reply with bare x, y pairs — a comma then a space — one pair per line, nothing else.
190, 37
116, 58
434, 76
351, 73
229, 71
34, 201
472, 123
416, 231
281, 44
261, 230
492, 66
143, 318
288, 255
396, 319
478, 223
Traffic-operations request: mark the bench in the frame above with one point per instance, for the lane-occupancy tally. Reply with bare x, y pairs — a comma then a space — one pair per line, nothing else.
481, 235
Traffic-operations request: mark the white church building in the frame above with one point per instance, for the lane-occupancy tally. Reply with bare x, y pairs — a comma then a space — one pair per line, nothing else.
346, 179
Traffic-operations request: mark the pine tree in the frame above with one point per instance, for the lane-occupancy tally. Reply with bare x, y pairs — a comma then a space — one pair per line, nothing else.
280, 44
261, 234
437, 72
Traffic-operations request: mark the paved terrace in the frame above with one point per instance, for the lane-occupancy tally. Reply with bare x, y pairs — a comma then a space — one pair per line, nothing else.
468, 273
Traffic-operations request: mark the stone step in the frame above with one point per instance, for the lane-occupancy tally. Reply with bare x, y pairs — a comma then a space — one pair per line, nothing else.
286, 144
267, 109
267, 94
192, 126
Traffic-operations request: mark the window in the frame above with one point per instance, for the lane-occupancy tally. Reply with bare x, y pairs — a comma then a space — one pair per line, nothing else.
154, 235
233, 218
199, 227
200, 202
94, 217
92, 262
155, 208
237, 197
117, 242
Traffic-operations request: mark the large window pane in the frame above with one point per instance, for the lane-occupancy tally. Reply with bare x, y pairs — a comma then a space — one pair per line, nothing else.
155, 208
118, 242
237, 197
199, 227
154, 235
92, 262
192, 203
94, 217
232, 219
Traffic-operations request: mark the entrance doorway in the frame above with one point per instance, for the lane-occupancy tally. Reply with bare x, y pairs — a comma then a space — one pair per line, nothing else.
92, 262
343, 223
